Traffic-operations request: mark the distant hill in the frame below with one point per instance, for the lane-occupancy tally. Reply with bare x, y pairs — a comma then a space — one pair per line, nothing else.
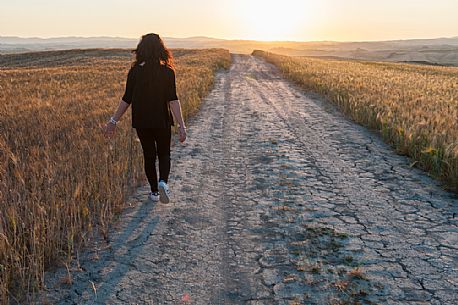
443, 51
12, 44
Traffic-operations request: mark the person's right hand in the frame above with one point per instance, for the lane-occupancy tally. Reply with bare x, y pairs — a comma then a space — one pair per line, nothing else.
182, 133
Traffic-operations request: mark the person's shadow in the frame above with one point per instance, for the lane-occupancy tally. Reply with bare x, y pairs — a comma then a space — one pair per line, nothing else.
120, 254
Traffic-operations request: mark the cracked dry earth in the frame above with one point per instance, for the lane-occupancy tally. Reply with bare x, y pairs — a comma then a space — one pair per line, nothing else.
277, 199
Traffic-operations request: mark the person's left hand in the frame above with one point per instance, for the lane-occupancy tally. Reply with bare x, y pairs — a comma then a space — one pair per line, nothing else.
182, 133
109, 130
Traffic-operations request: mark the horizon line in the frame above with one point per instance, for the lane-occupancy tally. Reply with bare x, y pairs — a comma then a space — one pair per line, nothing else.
227, 39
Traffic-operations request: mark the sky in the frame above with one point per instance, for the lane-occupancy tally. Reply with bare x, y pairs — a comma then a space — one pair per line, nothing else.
299, 20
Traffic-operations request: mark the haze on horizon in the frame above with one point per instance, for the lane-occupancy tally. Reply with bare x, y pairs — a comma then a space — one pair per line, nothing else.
298, 20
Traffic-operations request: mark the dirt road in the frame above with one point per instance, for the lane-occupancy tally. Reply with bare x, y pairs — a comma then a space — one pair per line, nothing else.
278, 199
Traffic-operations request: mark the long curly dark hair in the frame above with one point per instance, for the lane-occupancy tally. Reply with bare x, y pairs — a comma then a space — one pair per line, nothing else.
151, 50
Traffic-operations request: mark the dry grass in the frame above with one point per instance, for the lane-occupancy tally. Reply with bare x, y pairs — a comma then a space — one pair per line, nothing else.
60, 179
415, 108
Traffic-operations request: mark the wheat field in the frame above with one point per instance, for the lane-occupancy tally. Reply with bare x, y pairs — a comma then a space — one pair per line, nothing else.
60, 179
414, 107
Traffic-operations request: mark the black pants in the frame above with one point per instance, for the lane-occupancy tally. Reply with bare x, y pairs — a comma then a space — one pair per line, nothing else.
155, 142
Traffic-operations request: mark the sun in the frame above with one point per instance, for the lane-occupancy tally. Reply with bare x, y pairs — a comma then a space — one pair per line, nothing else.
275, 20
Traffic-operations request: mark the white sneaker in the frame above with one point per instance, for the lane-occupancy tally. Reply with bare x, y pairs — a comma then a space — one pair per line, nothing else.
164, 192
153, 196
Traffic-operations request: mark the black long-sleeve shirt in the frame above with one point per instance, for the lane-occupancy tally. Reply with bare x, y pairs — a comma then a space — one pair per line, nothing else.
149, 96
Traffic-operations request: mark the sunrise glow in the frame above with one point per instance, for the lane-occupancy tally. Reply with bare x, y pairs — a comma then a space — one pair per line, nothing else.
272, 20
298, 20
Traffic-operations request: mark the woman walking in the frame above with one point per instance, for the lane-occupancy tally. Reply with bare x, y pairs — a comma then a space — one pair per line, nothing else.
151, 90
